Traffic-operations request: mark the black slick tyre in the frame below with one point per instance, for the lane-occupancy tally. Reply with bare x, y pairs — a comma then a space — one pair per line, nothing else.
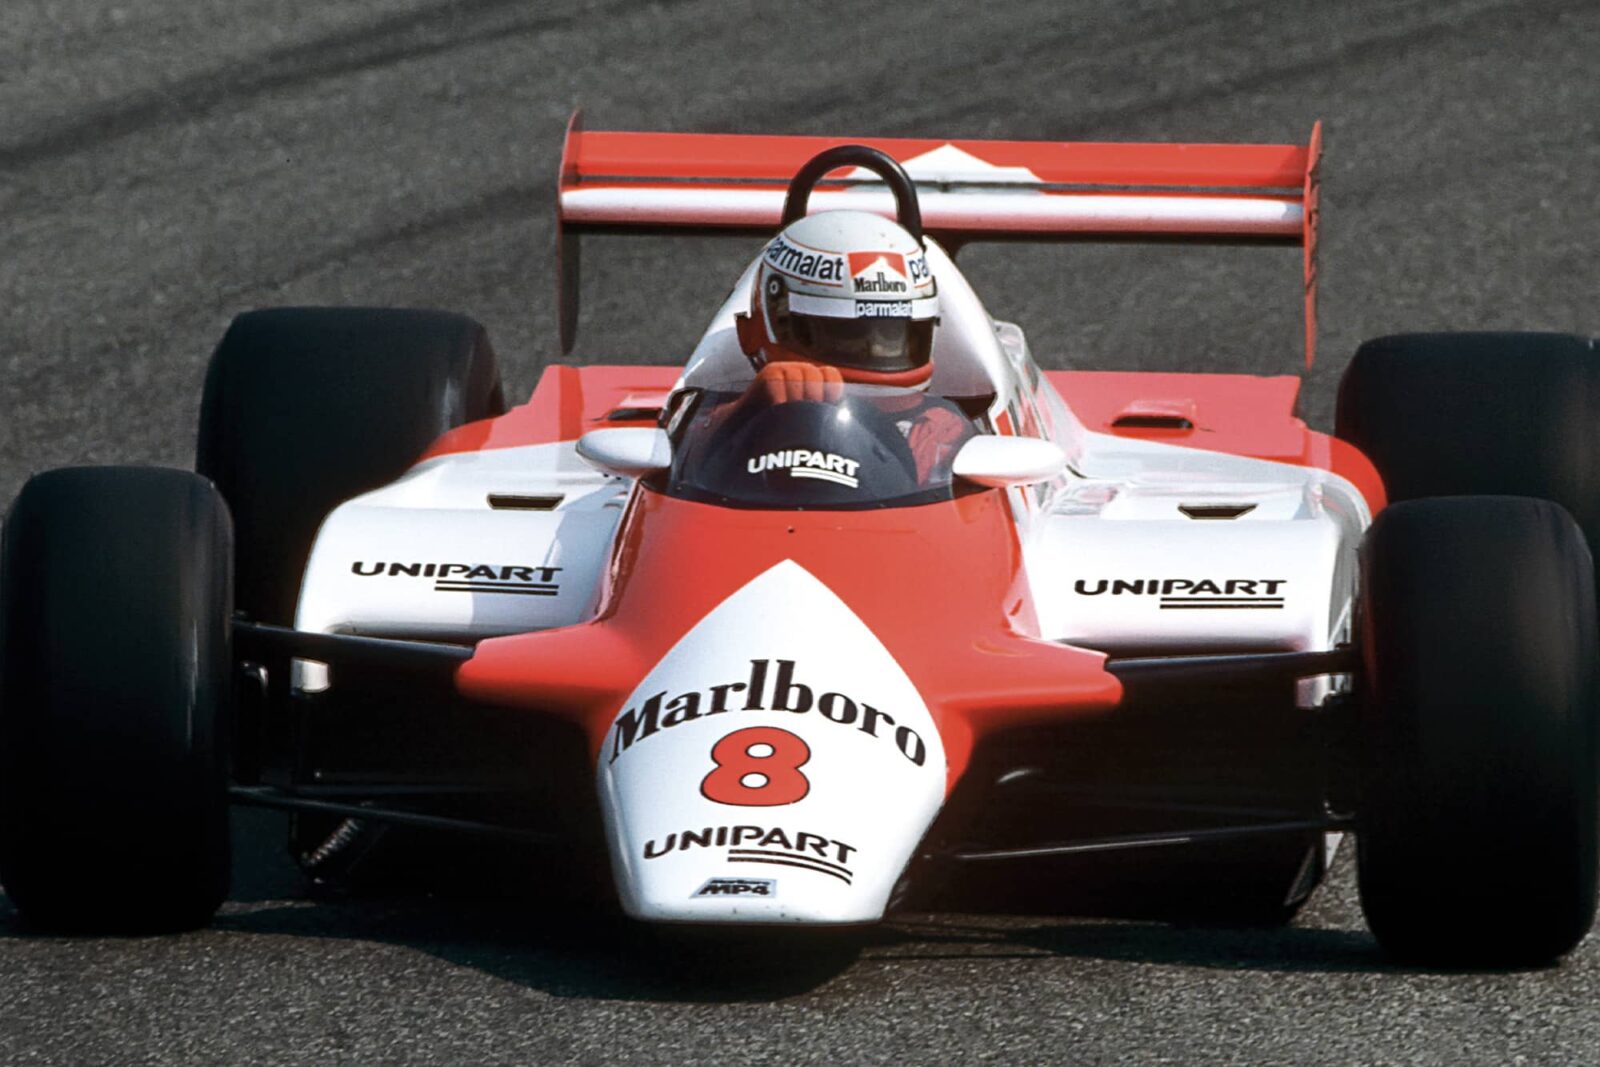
305, 408
1456, 414
1477, 827
115, 606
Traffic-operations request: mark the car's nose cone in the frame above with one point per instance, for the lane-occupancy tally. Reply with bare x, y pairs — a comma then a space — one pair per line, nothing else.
777, 765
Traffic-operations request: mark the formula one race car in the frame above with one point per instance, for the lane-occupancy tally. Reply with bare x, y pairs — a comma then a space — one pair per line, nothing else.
779, 667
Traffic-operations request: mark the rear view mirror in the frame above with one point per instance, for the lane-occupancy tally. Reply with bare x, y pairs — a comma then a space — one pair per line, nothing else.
1005, 462
627, 451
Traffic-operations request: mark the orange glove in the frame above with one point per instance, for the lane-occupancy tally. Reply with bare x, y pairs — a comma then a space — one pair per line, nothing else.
796, 380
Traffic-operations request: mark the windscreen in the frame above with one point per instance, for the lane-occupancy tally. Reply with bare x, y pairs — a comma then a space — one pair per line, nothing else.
862, 447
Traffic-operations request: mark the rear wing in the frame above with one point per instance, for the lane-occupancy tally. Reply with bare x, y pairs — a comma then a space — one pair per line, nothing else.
691, 183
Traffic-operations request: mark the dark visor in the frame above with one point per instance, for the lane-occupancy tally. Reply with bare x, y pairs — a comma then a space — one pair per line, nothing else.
884, 345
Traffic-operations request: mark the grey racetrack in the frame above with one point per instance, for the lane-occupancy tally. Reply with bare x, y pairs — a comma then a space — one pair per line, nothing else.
166, 164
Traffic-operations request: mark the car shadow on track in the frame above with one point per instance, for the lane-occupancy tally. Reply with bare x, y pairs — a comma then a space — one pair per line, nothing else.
589, 954
569, 945
1286, 949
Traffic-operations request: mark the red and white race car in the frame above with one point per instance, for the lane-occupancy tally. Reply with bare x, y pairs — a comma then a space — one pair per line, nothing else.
778, 670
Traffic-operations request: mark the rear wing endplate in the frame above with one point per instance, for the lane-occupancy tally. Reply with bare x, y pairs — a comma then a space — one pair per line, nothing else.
636, 183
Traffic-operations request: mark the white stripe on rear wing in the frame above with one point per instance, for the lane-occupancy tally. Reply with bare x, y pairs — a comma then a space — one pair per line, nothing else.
1025, 213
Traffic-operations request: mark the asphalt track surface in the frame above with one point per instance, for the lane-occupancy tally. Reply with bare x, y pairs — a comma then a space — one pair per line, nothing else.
165, 164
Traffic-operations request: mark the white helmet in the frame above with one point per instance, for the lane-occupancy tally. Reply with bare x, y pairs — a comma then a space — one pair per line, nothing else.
849, 289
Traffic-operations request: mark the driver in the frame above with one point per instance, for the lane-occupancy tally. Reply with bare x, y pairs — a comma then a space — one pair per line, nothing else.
847, 296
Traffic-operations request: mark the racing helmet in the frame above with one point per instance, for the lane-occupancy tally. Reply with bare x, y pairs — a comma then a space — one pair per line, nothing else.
848, 289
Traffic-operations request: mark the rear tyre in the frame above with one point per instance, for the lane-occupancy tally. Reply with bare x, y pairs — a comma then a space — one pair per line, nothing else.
1478, 827
1457, 414
115, 601
305, 408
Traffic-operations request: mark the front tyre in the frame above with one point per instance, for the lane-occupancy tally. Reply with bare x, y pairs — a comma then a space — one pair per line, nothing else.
305, 408
115, 603
1478, 825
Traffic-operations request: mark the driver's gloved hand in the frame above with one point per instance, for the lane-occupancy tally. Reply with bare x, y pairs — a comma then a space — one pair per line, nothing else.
797, 380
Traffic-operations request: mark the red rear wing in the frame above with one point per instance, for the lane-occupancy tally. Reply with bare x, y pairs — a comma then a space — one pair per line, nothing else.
969, 190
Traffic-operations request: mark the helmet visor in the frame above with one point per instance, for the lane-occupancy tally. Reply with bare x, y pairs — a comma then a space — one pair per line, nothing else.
885, 345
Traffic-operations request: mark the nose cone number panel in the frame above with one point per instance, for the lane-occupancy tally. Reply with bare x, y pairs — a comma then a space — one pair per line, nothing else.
777, 765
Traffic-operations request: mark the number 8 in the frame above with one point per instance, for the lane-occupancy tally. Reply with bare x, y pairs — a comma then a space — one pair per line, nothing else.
777, 770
